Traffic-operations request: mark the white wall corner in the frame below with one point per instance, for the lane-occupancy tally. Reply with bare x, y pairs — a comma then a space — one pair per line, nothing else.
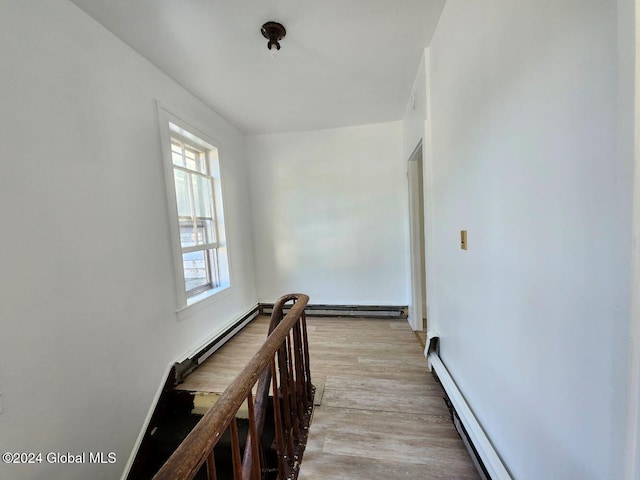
632, 454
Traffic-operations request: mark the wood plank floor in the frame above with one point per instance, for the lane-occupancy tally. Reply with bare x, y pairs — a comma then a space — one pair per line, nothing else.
219, 370
381, 414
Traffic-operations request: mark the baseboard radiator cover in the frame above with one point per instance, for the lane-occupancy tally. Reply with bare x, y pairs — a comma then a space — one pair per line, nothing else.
355, 311
184, 368
486, 458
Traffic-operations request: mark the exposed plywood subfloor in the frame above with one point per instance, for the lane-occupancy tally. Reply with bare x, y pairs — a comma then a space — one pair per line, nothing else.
381, 417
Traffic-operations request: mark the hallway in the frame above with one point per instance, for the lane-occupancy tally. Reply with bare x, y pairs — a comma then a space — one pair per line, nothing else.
381, 415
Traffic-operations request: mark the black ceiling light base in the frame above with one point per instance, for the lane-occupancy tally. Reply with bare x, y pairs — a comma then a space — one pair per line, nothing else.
274, 32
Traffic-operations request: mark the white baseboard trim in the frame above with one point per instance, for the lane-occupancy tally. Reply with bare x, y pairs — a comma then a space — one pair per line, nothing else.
481, 443
147, 420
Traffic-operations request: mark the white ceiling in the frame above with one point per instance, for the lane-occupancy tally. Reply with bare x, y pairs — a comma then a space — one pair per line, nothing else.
343, 62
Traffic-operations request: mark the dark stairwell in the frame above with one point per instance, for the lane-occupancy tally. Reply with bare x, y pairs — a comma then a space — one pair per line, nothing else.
188, 424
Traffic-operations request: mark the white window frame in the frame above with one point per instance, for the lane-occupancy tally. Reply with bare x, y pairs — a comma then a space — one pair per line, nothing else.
172, 126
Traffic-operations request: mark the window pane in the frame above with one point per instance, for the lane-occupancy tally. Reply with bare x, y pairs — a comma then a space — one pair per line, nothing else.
215, 267
187, 232
192, 158
196, 270
176, 153
182, 193
199, 207
203, 196
188, 156
206, 232
204, 229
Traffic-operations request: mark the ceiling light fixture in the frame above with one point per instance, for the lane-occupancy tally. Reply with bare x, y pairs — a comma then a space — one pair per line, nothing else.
274, 32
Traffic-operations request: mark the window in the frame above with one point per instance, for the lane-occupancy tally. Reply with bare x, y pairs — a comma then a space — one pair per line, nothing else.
195, 196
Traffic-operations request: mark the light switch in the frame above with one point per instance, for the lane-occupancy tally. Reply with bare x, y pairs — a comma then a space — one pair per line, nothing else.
463, 239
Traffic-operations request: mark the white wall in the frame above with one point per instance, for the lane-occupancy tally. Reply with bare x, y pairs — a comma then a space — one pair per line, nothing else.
629, 136
415, 115
534, 316
87, 295
330, 215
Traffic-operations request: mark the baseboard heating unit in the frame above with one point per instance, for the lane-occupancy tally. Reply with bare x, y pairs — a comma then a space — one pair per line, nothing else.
356, 311
487, 460
187, 366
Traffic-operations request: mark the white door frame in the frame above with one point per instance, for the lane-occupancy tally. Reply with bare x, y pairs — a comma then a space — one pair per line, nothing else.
418, 289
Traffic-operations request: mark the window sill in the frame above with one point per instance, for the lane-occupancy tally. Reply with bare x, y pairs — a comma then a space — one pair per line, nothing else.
202, 300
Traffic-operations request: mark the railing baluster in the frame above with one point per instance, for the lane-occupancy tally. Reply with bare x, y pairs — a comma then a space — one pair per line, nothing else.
286, 405
253, 440
305, 343
280, 448
300, 383
292, 391
235, 450
281, 364
211, 467
260, 411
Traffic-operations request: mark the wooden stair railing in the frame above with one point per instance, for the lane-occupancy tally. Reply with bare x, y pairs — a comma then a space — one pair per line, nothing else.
282, 365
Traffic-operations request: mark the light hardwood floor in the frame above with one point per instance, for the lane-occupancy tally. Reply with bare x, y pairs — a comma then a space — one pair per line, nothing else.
219, 370
381, 414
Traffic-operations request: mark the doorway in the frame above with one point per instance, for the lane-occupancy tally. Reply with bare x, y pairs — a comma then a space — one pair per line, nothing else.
415, 174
